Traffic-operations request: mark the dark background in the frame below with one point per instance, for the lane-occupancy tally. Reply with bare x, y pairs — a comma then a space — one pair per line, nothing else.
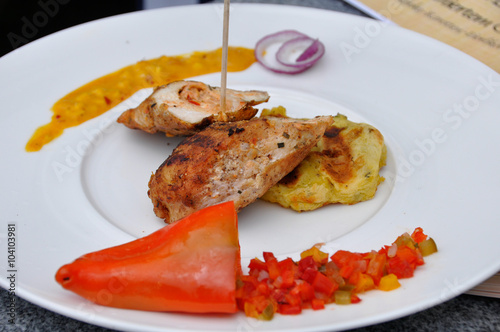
22, 21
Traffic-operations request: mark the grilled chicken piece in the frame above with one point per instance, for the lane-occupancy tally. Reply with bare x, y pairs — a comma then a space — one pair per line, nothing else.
236, 161
183, 108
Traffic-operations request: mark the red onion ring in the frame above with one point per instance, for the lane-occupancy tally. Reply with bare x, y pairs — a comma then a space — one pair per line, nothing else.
313, 50
290, 41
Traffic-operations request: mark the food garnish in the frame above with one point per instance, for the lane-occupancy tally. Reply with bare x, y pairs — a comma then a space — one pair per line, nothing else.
287, 287
189, 266
286, 60
102, 94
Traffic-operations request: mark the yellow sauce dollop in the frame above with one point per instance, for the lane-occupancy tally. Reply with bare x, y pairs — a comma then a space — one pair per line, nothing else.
102, 94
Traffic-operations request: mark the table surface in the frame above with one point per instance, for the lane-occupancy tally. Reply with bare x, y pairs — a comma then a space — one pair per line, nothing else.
462, 313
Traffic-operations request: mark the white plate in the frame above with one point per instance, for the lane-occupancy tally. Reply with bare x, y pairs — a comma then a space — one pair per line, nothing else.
437, 108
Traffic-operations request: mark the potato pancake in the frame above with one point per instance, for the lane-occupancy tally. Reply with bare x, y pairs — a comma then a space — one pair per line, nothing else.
342, 168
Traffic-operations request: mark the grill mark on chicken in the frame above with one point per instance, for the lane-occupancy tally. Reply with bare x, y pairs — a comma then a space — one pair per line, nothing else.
177, 159
200, 141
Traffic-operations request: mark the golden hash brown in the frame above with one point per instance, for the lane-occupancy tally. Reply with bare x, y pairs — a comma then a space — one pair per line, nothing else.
342, 168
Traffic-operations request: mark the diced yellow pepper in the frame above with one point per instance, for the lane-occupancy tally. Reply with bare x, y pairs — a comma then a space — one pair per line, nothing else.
252, 311
389, 282
318, 256
364, 283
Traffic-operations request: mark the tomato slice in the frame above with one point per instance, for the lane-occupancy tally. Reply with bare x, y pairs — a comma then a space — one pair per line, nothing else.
188, 266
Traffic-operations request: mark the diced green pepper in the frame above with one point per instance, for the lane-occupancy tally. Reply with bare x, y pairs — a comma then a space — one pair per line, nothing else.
427, 247
342, 297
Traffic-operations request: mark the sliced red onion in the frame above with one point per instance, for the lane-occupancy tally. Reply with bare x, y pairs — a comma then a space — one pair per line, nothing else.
392, 250
312, 50
287, 41
315, 49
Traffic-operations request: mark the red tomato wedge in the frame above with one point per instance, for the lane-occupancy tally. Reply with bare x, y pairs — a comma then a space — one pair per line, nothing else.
189, 266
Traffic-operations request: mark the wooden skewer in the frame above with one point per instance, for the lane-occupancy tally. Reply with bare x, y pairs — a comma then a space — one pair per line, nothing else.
223, 82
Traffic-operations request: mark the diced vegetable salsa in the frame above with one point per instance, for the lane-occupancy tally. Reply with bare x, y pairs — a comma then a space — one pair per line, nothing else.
287, 287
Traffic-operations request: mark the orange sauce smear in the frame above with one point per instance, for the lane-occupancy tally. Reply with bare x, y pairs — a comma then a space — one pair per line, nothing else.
102, 94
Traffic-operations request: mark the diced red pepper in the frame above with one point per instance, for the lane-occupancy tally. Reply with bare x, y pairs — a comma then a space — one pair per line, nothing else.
263, 288
248, 287
317, 304
314, 282
354, 278
324, 285
309, 274
289, 309
305, 290
418, 235
412, 256
399, 267
355, 298
293, 299
268, 255
257, 264
383, 250
279, 295
272, 265
287, 271
349, 262
343, 257
346, 271
307, 262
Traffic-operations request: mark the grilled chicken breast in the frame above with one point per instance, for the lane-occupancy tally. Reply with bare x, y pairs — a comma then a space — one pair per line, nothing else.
236, 161
183, 108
